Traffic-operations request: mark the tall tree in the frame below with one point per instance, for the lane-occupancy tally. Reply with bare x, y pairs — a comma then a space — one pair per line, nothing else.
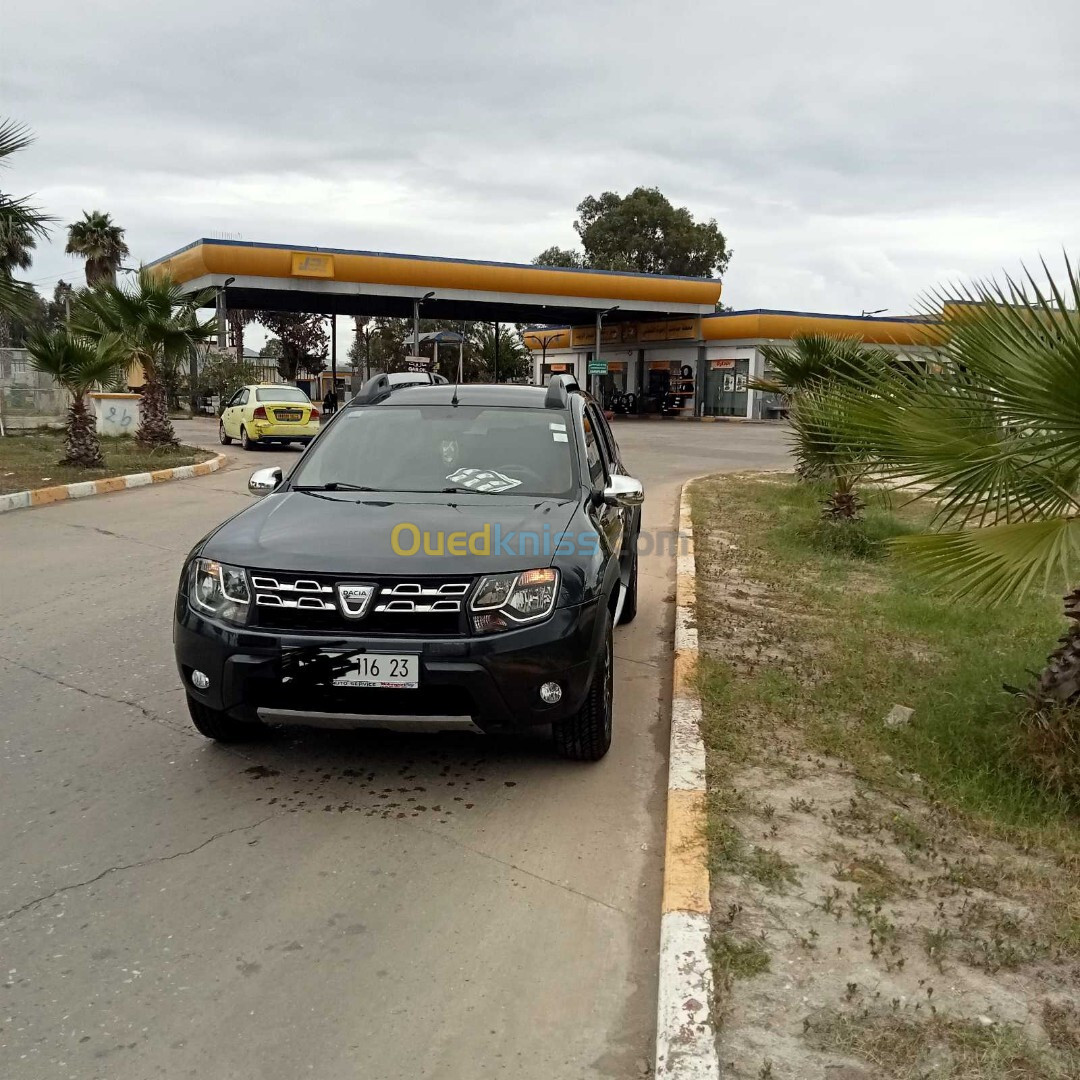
642, 232
21, 226
98, 240
78, 364
562, 258
157, 326
303, 341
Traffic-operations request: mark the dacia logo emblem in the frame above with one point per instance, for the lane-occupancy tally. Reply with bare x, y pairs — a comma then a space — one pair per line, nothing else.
355, 600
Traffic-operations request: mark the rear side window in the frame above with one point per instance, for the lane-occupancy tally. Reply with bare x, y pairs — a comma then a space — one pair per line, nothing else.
243, 399
593, 453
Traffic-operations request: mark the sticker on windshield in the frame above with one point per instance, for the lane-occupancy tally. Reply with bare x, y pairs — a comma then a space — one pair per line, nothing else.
558, 436
557, 427
483, 480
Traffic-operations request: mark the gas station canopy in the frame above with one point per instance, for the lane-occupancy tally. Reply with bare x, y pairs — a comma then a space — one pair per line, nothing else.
334, 281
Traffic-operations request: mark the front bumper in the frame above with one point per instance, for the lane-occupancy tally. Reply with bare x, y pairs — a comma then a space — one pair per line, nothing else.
495, 680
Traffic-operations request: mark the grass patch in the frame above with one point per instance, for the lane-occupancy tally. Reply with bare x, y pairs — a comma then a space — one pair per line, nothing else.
858, 635
736, 958
905, 1048
30, 460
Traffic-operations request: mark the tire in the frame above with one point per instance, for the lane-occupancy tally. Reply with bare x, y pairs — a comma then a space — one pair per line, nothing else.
629, 608
245, 442
220, 726
222, 437
586, 736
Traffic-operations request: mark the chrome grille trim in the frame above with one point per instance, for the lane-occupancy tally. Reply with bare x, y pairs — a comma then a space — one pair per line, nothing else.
399, 598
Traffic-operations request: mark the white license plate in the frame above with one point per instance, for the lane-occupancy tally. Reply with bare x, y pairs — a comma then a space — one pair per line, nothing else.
382, 670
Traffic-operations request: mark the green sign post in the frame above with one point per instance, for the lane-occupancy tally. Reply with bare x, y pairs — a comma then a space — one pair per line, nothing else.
597, 367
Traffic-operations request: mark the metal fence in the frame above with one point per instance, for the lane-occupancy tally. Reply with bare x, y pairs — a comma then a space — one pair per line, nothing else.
28, 398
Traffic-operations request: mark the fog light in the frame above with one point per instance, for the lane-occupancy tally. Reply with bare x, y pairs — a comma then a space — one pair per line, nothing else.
200, 680
551, 692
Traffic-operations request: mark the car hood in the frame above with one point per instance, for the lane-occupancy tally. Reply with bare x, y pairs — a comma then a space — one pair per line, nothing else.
347, 533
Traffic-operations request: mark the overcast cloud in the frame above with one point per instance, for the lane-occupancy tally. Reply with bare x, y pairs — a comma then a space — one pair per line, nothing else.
855, 154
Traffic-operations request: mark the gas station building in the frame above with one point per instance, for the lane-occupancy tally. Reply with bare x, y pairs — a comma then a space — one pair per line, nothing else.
664, 349
702, 367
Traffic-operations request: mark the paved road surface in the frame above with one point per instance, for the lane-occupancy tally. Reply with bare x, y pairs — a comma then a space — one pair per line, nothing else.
334, 905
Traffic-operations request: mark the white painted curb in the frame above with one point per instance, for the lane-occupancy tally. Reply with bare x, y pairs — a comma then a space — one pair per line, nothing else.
19, 500
685, 1038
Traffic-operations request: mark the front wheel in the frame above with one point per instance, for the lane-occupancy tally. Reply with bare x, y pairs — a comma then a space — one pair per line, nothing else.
222, 437
220, 726
246, 442
586, 736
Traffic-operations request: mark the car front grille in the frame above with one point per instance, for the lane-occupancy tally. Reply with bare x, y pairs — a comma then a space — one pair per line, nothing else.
411, 607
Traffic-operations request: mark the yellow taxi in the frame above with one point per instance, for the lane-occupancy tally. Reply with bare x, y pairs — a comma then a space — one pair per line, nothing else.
268, 413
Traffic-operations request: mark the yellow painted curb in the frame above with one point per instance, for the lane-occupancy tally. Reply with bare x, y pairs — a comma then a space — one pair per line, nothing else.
686, 871
46, 495
21, 500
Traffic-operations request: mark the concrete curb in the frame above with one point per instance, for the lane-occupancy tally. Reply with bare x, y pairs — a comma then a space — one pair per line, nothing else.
685, 1039
20, 500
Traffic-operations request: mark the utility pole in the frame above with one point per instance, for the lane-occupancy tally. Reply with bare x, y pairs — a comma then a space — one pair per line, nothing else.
333, 356
416, 320
496, 352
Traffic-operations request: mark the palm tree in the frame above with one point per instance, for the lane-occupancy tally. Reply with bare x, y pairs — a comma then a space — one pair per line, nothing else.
239, 318
77, 364
101, 243
21, 226
156, 324
805, 373
993, 431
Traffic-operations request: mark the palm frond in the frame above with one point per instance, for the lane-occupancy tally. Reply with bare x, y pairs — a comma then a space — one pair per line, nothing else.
13, 138
997, 562
17, 298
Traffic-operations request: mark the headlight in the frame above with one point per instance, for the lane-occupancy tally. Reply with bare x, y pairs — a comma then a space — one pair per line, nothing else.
502, 601
218, 589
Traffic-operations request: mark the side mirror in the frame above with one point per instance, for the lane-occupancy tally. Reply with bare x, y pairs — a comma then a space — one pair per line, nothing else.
263, 481
624, 491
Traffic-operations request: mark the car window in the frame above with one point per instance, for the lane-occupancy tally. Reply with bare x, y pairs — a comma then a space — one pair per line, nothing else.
495, 450
243, 397
611, 447
282, 393
234, 400
593, 453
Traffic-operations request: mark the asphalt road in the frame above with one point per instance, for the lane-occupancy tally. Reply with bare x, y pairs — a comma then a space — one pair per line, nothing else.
335, 905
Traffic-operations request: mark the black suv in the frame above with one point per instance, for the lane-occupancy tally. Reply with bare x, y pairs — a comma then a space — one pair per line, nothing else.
439, 557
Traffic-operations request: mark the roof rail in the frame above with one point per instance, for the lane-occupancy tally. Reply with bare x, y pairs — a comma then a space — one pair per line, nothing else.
559, 390
379, 386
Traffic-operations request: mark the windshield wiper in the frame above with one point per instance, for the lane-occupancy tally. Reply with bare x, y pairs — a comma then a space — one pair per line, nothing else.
334, 485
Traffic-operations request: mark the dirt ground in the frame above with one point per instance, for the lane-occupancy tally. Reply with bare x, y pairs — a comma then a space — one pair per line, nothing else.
860, 932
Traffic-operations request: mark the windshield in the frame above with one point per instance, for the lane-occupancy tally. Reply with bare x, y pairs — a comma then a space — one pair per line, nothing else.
438, 447
283, 393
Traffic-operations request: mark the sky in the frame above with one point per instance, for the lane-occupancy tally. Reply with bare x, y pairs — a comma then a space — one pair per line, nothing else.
854, 154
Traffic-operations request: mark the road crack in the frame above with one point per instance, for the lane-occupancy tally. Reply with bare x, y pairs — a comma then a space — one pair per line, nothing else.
514, 866
130, 866
127, 702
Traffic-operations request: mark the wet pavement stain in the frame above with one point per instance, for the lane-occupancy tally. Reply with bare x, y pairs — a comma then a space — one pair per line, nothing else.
413, 787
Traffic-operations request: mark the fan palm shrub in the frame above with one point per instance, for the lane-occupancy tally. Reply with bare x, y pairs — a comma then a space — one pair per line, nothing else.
78, 365
805, 373
992, 433
157, 325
